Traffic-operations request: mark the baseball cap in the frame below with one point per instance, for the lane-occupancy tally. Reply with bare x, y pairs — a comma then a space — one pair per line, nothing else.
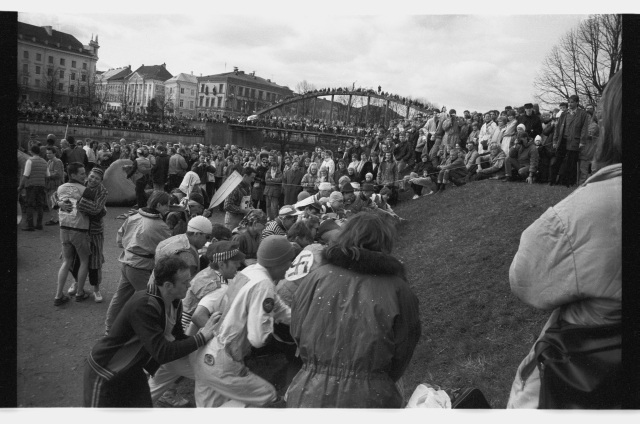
288, 210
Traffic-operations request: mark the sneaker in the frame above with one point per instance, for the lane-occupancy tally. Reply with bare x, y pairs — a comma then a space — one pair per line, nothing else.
64, 299
429, 194
415, 196
82, 297
171, 399
97, 297
72, 290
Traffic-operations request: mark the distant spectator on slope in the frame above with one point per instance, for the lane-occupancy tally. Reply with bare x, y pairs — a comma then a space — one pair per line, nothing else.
524, 165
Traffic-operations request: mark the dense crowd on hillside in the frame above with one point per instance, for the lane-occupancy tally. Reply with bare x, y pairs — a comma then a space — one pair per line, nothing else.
197, 299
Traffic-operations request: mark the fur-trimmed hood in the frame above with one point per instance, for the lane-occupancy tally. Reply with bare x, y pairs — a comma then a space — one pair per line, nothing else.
365, 261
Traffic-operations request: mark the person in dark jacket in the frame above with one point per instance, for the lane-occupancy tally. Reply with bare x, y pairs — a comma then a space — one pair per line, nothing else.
531, 121
571, 131
357, 342
160, 171
147, 333
524, 165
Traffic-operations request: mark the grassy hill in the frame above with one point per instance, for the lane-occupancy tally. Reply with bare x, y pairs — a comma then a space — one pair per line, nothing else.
458, 247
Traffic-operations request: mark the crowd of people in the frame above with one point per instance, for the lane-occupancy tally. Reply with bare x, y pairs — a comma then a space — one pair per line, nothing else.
303, 263
82, 116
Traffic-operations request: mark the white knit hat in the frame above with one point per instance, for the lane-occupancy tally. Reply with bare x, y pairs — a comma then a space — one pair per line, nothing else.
199, 224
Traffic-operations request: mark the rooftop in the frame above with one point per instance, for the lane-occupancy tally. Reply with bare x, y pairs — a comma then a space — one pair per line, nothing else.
184, 77
40, 34
241, 75
158, 72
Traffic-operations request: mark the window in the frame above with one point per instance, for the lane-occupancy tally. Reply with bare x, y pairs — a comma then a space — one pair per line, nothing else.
181, 103
61, 86
73, 76
221, 88
50, 72
253, 92
25, 68
202, 89
37, 70
73, 63
84, 66
84, 77
51, 59
260, 94
38, 57
201, 98
25, 54
72, 88
37, 83
61, 73
191, 103
182, 91
25, 80
219, 101
82, 90
62, 61
207, 105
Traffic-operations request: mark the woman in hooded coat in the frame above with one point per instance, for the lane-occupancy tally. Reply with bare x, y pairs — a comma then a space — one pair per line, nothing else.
356, 322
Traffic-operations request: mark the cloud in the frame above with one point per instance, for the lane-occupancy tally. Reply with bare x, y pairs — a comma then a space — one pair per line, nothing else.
463, 61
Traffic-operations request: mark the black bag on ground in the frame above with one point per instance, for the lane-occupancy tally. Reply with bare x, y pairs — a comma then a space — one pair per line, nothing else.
467, 398
580, 366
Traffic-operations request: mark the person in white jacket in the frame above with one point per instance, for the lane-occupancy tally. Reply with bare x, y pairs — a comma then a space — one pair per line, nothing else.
570, 259
252, 308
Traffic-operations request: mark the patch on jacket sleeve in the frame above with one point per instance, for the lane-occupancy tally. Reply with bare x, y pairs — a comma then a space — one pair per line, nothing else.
208, 359
300, 267
268, 304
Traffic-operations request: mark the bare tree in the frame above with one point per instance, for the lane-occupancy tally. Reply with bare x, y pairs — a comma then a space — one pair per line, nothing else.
582, 62
52, 79
301, 88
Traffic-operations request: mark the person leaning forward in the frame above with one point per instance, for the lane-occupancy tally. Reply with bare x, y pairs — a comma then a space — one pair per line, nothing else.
147, 333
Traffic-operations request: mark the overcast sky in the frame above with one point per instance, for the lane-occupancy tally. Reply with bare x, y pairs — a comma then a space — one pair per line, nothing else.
475, 62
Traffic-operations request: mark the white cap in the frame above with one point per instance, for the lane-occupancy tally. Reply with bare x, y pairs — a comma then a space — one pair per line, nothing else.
199, 224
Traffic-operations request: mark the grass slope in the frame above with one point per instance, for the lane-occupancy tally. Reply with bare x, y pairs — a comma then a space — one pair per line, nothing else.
458, 247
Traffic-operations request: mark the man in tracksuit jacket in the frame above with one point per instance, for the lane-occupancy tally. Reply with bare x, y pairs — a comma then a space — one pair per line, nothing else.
147, 333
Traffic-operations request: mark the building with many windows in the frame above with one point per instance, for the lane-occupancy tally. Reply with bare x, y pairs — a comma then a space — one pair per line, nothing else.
110, 87
181, 92
236, 93
143, 85
54, 66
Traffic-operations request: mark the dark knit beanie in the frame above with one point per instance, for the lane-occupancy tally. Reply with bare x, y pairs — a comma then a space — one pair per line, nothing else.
274, 250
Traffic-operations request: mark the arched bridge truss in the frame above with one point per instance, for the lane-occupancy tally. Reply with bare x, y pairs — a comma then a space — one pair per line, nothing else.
407, 104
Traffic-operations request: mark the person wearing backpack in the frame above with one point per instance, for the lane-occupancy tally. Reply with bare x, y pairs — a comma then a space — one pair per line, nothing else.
139, 173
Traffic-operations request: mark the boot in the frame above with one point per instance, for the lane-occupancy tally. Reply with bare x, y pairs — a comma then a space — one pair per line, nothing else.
442, 187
